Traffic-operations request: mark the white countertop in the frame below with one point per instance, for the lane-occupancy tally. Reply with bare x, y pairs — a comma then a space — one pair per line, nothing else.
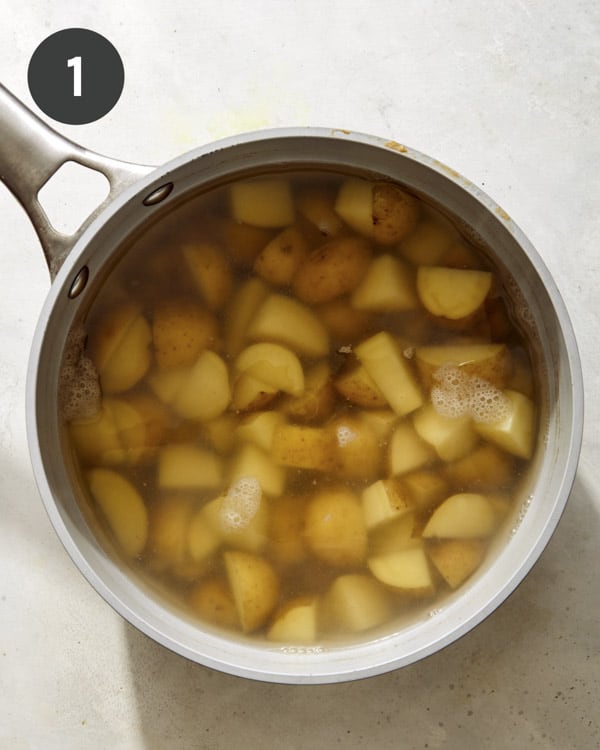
506, 93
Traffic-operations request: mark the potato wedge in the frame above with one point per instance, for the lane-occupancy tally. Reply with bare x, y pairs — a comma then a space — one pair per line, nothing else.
286, 321
388, 286
205, 393
255, 587
490, 362
317, 402
450, 437
405, 570
303, 447
354, 204
408, 451
240, 313
251, 461
395, 213
122, 507
282, 256
452, 293
392, 535
332, 270
382, 501
295, 622
358, 453
355, 602
263, 202
273, 364
456, 559
212, 600
515, 433
186, 466
181, 329
358, 387
335, 530
211, 272
466, 515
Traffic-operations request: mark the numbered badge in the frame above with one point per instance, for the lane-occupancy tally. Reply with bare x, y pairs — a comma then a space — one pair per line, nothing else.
76, 76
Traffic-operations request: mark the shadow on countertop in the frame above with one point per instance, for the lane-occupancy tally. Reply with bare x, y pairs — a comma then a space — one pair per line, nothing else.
525, 677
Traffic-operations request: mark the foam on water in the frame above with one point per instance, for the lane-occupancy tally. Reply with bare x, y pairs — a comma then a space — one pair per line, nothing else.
459, 394
241, 503
79, 392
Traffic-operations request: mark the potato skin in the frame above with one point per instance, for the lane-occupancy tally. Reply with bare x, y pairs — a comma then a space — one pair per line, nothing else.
332, 270
395, 213
335, 530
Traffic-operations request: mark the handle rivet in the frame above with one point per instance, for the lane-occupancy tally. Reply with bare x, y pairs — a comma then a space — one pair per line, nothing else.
158, 195
79, 282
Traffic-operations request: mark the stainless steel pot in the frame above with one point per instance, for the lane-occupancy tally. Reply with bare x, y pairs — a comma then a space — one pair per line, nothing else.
31, 152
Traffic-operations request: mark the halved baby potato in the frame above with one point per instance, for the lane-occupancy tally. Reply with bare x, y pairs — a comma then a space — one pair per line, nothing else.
355, 602
181, 329
282, 256
405, 570
295, 622
211, 271
254, 585
273, 364
335, 529
452, 293
456, 559
466, 515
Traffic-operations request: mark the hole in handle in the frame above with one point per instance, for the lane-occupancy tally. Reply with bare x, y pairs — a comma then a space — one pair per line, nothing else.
71, 194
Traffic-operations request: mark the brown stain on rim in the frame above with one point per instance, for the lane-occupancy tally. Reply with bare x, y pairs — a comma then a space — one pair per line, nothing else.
395, 146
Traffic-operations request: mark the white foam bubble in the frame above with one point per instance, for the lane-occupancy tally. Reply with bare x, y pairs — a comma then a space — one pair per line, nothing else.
241, 503
458, 394
79, 392
345, 435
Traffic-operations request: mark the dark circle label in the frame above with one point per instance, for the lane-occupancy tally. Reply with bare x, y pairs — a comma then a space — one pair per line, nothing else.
76, 76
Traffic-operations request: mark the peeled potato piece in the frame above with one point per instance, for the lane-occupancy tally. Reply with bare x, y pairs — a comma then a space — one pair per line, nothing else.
388, 286
354, 203
456, 559
234, 519
122, 507
466, 515
332, 270
452, 293
120, 348
212, 600
273, 364
335, 530
254, 585
296, 622
280, 259
181, 329
286, 321
210, 269
355, 602
406, 569
205, 393
263, 202
515, 433
391, 536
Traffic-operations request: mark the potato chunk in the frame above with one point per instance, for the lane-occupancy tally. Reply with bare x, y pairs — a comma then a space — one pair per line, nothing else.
316, 205
274, 365
382, 502
304, 447
259, 428
358, 452
185, 466
212, 600
355, 602
467, 515
205, 393
388, 286
335, 530
181, 329
317, 402
211, 271
395, 213
255, 587
122, 507
456, 559
240, 313
408, 451
167, 538
251, 461
332, 270
515, 433
358, 387
451, 437
406, 569
490, 362
296, 622
280, 259
452, 293
263, 202
286, 530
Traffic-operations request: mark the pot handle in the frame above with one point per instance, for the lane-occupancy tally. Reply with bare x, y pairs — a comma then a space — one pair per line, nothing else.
31, 152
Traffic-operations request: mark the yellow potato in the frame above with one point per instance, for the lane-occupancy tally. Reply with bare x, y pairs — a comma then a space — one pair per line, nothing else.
250, 393
358, 453
343, 321
168, 531
335, 530
242, 241
221, 432
358, 387
456, 559
355, 602
304, 447
395, 213
273, 364
332, 270
251, 461
424, 488
383, 501
120, 348
406, 569
316, 205
186, 466
286, 321
354, 204
427, 244
181, 329
295, 622
388, 286
254, 585
381, 421
240, 313
490, 362
450, 437
466, 515
486, 468
203, 537
514, 433
205, 393
212, 600
383, 360
263, 202
122, 507
286, 530
317, 402
237, 519
210, 270
259, 428
280, 259
452, 293
408, 451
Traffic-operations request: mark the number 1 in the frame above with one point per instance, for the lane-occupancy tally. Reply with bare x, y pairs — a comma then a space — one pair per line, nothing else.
75, 63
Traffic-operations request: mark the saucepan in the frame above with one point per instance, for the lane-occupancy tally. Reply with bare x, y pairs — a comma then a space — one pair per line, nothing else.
31, 152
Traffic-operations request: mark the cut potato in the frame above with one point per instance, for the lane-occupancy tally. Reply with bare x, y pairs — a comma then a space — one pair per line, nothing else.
355, 602
456, 559
382, 502
120, 348
427, 244
280, 259
395, 213
242, 242
221, 432
408, 451
450, 437
122, 507
343, 321
212, 600
168, 531
254, 585
211, 271
181, 329
383, 360
241, 311
388, 286
317, 207
165, 384
381, 421
250, 393
259, 428
335, 530
203, 537
263, 202
273, 364
358, 452
466, 515
296, 622
317, 402
392, 536
185, 466
236, 519
424, 488
515, 433
490, 362
452, 293
354, 203
304, 447
332, 270
359, 388
406, 569
205, 393
96, 439
286, 530
251, 461
486, 468
285, 321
